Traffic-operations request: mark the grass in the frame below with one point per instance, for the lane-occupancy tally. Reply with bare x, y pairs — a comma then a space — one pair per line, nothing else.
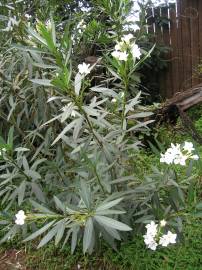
131, 256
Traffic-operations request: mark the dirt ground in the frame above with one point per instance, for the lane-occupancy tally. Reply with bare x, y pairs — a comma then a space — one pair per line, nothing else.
12, 259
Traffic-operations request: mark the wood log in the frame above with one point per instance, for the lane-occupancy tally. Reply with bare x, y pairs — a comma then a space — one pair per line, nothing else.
177, 107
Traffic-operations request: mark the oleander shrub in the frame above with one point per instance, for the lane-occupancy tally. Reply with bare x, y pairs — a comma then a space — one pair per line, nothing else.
71, 114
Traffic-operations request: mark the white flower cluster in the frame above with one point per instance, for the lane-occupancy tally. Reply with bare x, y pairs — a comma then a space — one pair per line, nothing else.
122, 47
11, 23
84, 69
81, 26
20, 217
152, 238
178, 154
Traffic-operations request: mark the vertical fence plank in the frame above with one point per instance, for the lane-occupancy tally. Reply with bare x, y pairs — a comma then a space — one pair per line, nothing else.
195, 50
180, 46
167, 78
174, 48
150, 23
158, 32
200, 32
186, 43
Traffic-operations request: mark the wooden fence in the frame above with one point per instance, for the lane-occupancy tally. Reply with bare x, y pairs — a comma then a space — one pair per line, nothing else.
183, 33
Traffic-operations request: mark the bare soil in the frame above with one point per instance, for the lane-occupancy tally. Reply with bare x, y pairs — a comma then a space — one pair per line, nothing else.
12, 259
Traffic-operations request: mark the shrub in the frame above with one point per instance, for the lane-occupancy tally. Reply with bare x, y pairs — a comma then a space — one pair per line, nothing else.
71, 110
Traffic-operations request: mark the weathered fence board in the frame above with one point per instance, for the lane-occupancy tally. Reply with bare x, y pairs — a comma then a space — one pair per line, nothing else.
183, 34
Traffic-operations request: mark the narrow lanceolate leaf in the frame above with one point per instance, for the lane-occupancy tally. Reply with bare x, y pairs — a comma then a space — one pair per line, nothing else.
77, 84
48, 237
21, 192
65, 130
108, 205
75, 231
112, 223
42, 208
36, 189
132, 103
59, 204
109, 212
88, 234
39, 232
85, 194
60, 232
113, 233
33, 33
43, 82
140, 125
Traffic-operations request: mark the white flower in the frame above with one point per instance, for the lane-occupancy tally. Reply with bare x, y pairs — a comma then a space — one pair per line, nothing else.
135, 50
172, 237
20, 217
150, 241
163, 223
113, 100
116, 54
166, 158
135, 27
127, 38
152, 245
27, 16
84, 69
195, 157
188, 146
166, 239
152, 228
149, 237
163, 241
122, 56
81, 24
119, 46
180, 159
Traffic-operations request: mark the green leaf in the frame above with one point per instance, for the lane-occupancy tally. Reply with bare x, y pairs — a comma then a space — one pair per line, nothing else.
112, 223
108, 205
10, 137
132, 103
48, 237
59, 204
60, 232
41, 208
75, 231
21, 192
43, 82
65, 130
88, 234
39, 232
77, 83
34, 34
85, 194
